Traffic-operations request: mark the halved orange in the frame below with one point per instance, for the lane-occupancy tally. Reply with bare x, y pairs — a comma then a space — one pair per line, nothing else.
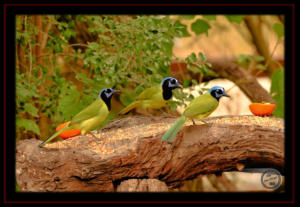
68, 133
262, 109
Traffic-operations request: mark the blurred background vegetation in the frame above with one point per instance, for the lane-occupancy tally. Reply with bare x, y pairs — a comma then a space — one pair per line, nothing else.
63, 61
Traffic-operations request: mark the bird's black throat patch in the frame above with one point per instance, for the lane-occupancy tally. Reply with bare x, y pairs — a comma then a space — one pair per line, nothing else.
107, 100
167, 91
215, 95
167, 94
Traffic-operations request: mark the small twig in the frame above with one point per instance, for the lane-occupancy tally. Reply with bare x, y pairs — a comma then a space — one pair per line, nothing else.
78, 44
271, 55
46, 35
30, 51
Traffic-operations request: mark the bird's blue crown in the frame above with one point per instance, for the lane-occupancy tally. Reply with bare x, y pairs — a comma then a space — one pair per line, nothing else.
107, 91
216, 88
173, 81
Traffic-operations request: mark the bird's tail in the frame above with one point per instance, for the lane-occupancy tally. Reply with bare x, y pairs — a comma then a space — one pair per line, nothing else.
129, 107
53, 136
170, 134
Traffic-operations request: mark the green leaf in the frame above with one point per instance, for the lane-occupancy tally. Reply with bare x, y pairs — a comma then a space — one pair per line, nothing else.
277, 92
58, 48
208, 72
31, 109
200, 27
68, 102
168, 47
208, 64
28, 125
93, 45
187, 16
210, 17
186, 83
18, 189
259, 58
244, 58
235, 18
192, 57
279, 29
68, 33
194, 69
181, 29
202, 57
260, 67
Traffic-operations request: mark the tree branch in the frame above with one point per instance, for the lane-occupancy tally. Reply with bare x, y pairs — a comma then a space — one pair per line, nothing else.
130, 148
242, 78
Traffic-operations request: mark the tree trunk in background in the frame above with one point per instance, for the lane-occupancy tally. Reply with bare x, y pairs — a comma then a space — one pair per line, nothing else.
243, 79
38, 49
44, 122
231, 71
254, 25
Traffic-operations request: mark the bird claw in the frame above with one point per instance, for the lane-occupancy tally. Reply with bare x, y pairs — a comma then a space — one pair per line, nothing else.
204, 122
193, 122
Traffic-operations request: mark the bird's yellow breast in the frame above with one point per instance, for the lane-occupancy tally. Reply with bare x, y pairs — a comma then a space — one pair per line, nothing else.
95, 121
155, 102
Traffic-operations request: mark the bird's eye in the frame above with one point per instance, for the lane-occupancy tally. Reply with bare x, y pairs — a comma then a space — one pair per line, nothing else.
108, 90
173, 81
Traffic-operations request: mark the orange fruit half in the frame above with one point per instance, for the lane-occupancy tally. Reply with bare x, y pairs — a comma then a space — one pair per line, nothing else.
68, 133
262, 109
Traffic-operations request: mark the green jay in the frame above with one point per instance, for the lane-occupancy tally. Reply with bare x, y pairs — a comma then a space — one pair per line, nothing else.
199, 108
90, 117
154, 97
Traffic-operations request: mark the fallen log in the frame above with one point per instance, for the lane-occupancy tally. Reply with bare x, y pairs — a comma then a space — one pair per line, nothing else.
130, 148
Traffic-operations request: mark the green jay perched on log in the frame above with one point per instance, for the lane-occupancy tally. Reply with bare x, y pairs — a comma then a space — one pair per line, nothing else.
90, 117
199, 108
154, 97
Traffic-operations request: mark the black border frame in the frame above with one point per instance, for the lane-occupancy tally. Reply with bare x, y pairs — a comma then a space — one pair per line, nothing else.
10, 196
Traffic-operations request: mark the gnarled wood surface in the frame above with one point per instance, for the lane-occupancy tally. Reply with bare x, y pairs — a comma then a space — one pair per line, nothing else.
130, 148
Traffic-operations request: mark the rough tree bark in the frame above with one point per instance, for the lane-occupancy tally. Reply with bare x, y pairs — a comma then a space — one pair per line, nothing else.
130, 148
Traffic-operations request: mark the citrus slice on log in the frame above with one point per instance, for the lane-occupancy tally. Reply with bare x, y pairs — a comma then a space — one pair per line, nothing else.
68, 133
262, 109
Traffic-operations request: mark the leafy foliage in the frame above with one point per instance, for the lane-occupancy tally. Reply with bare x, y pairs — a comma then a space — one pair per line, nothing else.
210, 17
279, 29
277, 91
235, 18
28, 125
129, 53
199, 67
200, 26
250, 62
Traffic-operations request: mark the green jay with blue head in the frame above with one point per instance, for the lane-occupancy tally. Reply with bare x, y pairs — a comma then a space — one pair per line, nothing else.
154, 97
90, 117
199, 108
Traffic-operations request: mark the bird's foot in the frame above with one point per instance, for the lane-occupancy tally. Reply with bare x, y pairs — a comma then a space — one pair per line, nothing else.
204, 122
93, 135
194, 123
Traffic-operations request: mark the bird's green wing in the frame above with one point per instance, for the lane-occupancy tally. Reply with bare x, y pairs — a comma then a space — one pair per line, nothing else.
92, 110
201, 105
148, 93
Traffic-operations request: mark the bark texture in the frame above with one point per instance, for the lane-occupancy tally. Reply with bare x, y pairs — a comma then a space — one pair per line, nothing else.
142, 185
130, 148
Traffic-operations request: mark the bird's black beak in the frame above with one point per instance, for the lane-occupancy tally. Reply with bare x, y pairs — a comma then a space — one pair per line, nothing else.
225, 94
117, 92
179, 86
